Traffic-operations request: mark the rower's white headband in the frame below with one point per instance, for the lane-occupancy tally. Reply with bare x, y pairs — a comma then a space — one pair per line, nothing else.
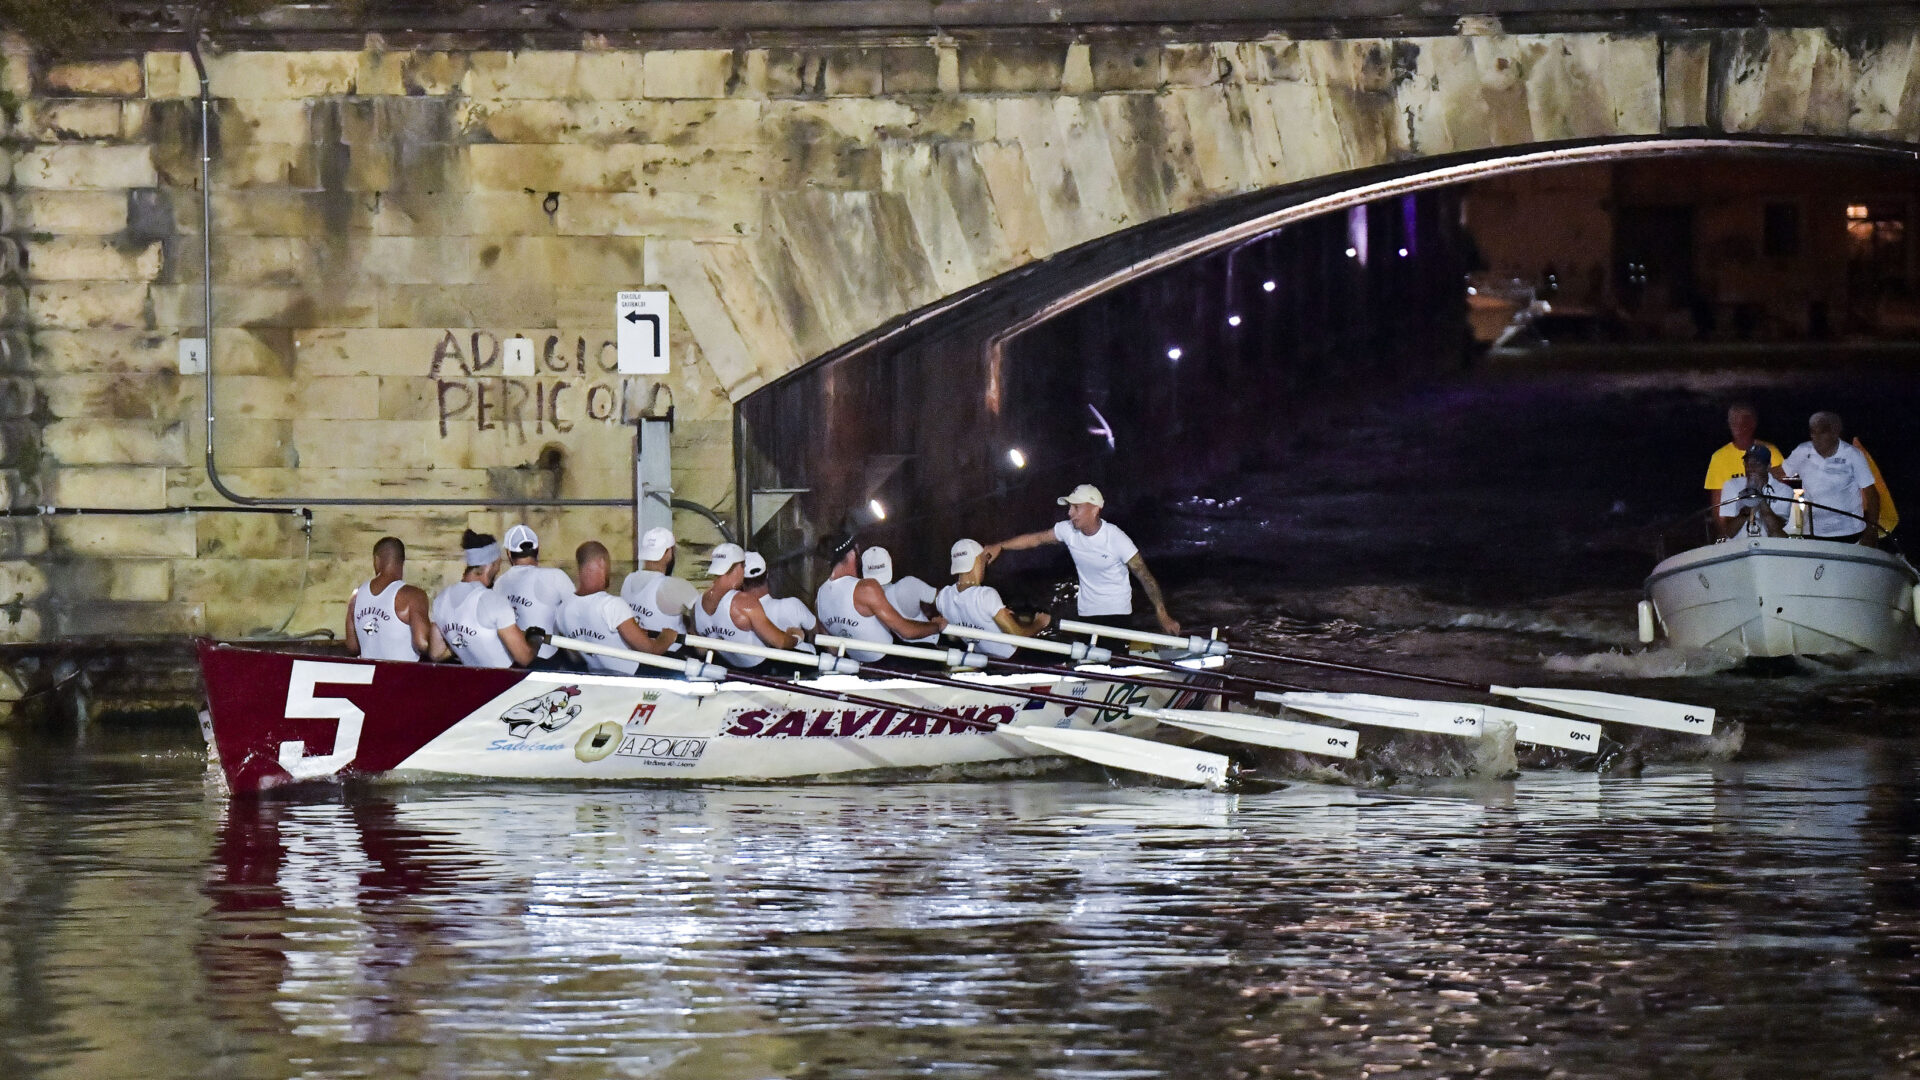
483, 556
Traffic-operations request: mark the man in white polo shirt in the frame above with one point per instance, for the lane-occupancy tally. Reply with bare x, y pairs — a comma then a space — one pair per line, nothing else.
1836, 475
1102, 555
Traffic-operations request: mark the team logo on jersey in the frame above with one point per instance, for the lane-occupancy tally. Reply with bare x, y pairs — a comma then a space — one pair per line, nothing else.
550, 711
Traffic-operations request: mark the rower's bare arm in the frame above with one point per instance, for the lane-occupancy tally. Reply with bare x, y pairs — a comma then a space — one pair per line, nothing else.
640, 641
749, 615
437, 648
870, 599
1022, 543
517, 645
415, 599
1009, 623
1152, 588
352, 636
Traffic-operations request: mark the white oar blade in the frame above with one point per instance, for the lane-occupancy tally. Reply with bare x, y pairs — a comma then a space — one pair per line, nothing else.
1135, 755
1408, 714
1262, 730
1532, 727
1617, 708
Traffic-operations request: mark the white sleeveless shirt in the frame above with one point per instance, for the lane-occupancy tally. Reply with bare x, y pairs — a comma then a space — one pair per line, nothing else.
976, 608
641, 591
838, 616
383, 634
720, 625
470, 617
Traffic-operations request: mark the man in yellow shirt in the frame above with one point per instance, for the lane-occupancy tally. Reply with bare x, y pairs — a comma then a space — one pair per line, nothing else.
1730, 460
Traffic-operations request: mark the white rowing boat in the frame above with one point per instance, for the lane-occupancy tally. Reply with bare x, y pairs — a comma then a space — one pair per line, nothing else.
1782, 596
278, 718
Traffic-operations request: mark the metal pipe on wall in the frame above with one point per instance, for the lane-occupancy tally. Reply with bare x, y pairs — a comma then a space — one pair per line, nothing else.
206, 256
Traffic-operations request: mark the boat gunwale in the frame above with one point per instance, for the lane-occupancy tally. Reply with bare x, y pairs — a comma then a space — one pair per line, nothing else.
1884, 559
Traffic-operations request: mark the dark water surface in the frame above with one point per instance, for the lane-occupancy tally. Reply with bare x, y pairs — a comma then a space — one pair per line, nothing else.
1740, 919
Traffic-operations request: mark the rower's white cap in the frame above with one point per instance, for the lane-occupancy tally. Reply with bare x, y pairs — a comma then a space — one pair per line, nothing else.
963, 555
756, 565
877, 564
656, 543
522, 541
1085, 493
724, 558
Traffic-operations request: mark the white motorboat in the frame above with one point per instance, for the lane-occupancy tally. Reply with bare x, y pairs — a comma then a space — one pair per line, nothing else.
1759, 596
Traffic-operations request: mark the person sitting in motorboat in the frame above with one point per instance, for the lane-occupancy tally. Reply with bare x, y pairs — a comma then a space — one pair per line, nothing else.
789, 613
728, 612
909, 596
386, 617
473, 622
594, 614
1754, 504
969, 602
852, 605
1729, 463
1838, 483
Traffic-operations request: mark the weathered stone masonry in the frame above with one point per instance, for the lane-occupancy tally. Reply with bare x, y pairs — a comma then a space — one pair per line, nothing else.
386, 218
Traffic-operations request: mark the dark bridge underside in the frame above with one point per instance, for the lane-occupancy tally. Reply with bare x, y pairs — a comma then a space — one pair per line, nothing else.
920, 414
451, 24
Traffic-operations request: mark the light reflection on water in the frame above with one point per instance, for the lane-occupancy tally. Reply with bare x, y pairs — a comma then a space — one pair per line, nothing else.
1755, 918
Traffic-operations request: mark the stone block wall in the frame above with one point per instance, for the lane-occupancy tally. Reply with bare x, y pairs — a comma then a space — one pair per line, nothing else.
386, 218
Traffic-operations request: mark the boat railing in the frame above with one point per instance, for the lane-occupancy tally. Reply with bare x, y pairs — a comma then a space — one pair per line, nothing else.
1669, 539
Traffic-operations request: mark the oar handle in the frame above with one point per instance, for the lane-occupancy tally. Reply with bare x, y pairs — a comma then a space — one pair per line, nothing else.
691, 666
1193, 643
826, 665
1079, 651
954, 658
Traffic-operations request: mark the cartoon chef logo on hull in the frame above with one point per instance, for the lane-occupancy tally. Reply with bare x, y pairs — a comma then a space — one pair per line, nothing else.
550, 711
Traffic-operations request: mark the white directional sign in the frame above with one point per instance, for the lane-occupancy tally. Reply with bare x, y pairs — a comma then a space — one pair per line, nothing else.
641, 319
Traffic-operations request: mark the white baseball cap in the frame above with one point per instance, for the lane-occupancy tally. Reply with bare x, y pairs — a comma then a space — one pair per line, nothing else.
521, 540
877, 564
656, 543
756, 565
964, 554
1085, 493
724, 558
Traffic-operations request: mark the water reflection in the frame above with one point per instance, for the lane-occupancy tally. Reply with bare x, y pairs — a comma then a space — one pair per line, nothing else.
1727, 921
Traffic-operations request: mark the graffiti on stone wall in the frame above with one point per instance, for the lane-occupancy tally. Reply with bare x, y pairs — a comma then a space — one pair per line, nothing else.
575, 381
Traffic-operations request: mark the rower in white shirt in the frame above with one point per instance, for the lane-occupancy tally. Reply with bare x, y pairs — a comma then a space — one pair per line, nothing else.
789, 613
386, 617
727, 612
594, 614
536, 592
909, 596
968, 602
659, 600
854, 606
1102, 555
473, 622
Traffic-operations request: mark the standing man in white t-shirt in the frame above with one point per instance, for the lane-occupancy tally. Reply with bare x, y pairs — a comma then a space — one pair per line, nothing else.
909, 596
1835, 474
967, 602
658, 599
1102, 555
594, 614
473, 622
536, 592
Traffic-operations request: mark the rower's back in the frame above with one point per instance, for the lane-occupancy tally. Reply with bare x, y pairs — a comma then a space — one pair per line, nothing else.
840, 618
470, 617
383, 634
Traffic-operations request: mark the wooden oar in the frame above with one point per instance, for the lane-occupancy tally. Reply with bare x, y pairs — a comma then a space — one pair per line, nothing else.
1596, 704
1101, 747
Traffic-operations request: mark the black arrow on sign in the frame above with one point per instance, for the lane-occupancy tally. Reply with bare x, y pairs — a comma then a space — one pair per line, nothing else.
636, 317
